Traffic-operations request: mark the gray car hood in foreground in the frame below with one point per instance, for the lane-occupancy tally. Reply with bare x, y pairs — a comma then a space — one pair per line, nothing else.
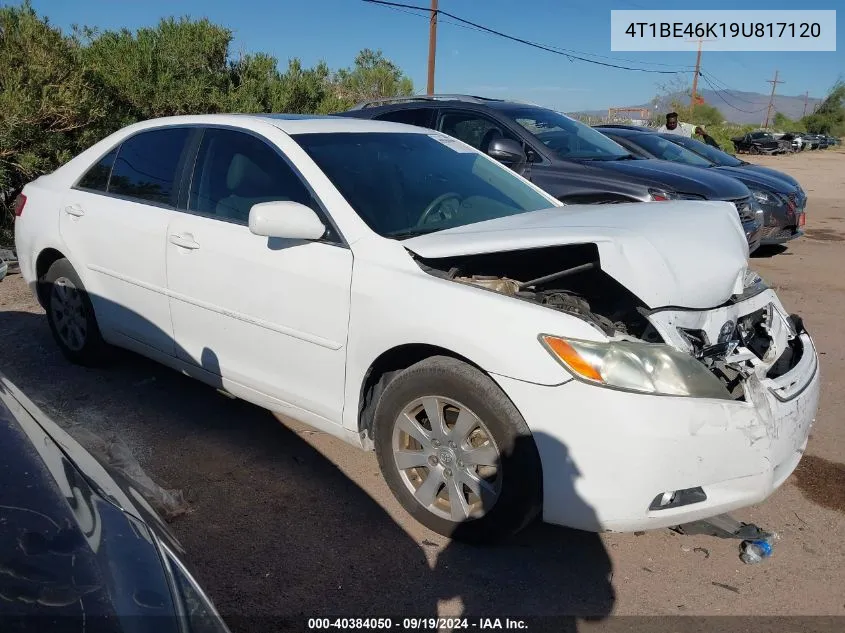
682, 253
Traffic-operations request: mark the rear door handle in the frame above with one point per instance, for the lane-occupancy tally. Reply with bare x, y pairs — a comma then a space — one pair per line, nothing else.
75, 210
184, 241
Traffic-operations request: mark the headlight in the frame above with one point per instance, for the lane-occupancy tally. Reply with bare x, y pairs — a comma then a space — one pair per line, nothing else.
641, 367
661, 195
762, 196
768, 197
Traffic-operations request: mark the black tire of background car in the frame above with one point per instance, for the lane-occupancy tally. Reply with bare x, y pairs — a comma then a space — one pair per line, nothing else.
520, 498
95, 352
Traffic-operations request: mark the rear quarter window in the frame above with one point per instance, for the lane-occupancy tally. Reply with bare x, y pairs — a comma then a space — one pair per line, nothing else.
97, 177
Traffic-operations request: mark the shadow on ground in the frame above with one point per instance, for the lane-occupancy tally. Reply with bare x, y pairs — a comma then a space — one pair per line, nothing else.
278, 533
768, 251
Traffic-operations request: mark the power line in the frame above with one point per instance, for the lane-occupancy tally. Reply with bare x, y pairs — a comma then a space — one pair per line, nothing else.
719, 94
727, 90
571, 56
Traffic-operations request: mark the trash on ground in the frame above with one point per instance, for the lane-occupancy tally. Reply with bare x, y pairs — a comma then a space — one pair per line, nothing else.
724, 526
755, 551
116, 456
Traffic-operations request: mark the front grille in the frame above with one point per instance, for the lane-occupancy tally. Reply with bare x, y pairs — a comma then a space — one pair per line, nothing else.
745, 209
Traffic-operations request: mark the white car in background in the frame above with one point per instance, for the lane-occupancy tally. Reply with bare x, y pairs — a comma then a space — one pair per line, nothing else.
614, 367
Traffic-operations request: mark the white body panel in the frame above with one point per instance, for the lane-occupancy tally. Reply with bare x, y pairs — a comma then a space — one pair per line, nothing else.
273, 315
122, 246
295, 326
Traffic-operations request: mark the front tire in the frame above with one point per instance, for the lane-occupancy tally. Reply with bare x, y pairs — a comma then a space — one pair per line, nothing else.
456, 453
71, 316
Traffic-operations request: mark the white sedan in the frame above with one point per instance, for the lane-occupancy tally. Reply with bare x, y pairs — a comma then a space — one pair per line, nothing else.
612, 367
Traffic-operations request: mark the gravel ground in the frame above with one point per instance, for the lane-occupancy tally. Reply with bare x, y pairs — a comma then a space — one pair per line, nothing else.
288, 522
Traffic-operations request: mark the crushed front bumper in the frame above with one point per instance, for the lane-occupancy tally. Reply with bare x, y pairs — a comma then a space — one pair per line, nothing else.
607, 455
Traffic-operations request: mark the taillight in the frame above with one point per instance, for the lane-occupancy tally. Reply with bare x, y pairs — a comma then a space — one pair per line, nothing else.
20, 201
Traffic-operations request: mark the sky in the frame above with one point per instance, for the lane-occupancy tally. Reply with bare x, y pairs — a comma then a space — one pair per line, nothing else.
477, 63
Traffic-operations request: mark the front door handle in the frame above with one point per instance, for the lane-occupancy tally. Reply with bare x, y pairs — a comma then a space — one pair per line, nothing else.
185, 240
75, 210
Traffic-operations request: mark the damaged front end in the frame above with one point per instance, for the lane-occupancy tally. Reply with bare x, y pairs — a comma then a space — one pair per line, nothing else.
750, 342
566, 278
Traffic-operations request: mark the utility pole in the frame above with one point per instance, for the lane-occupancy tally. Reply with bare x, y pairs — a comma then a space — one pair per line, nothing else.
694, 94
432, 46
774, 83
806, 96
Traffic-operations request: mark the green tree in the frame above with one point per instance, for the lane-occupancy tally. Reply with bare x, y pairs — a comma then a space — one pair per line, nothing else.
783, 123
829, 115
178, 67
372, 76
49, 108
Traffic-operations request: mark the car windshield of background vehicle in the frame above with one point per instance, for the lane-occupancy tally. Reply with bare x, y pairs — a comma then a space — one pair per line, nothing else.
567, 137
410, 184
667, 150
708, 151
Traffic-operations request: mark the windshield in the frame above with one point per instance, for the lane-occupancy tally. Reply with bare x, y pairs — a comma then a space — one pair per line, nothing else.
708, 151
567, 137
409, 184
663, 149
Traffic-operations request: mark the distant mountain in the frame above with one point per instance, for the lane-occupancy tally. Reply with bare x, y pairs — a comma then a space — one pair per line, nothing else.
735, 106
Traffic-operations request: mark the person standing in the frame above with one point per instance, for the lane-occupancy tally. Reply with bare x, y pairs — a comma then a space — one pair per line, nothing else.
674, 127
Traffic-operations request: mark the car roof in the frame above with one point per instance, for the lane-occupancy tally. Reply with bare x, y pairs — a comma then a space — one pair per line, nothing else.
288, 123
475, 103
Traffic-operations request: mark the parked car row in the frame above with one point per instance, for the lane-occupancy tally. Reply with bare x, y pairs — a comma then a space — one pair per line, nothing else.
783, 200
575, 164
765, 142
571, 161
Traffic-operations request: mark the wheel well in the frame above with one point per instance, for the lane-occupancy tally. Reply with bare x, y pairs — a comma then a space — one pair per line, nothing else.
46, 258
381, 372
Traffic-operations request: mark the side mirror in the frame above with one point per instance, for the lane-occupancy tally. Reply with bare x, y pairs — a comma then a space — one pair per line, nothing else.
507, 151
285, 220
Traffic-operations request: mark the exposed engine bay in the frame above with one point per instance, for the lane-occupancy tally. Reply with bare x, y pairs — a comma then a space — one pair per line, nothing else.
750, 335
565, 278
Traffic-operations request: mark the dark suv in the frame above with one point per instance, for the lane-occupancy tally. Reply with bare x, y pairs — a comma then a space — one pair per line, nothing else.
567, 158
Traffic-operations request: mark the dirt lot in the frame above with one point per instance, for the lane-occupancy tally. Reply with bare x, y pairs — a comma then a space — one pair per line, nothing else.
289, 522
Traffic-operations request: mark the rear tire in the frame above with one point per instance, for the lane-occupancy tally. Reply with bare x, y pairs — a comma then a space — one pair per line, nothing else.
71, 316
475, 476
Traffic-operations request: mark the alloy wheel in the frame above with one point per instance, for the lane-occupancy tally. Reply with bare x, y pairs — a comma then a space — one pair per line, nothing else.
447, 458
68, 312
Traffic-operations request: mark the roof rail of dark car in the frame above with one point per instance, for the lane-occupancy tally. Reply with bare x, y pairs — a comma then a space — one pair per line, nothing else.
620, 126
435, 97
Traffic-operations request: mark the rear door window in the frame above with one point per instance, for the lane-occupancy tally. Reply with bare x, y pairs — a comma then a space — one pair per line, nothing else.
148, 166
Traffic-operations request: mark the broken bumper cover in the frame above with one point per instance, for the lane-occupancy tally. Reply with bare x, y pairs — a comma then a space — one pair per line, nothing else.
607, 454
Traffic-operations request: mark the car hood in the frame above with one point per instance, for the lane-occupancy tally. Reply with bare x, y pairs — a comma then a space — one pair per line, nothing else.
682, 178
681, 253
770, 172
65, 550
754, 179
